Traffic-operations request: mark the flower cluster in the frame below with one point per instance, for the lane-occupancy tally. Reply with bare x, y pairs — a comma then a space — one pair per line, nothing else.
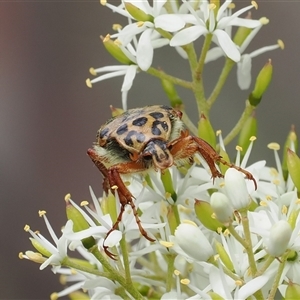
214, 229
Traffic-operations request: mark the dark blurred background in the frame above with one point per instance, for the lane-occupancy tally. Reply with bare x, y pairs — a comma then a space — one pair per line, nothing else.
48, 117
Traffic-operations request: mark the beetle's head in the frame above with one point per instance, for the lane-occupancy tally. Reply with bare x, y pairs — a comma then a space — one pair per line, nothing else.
160, 154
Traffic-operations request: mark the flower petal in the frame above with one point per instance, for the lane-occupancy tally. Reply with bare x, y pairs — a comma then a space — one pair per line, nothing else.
244, 72
169, 23
144, 51
187, 35
227, 45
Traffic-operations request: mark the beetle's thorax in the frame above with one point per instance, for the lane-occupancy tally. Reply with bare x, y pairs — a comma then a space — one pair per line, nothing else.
161, 156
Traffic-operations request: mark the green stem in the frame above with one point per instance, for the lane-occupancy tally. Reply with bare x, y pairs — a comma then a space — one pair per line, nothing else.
239, 125
116, 275
162, 75
221, 81
124, 250
169, 279
266, 265
278, 275
189, 124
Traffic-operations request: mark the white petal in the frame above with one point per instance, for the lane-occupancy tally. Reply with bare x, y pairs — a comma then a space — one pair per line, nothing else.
129, 77
157, 6
169, 23
252, 286
227, 45
213, 54
144, 50
187, 35
244, 72
113, 239
158, 43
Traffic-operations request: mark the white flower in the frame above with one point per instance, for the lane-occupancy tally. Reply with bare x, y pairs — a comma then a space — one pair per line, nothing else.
222, 207
204, 22
128, 71
149, 38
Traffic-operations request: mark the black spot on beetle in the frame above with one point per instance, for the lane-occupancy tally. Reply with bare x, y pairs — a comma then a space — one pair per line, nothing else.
157, 115
155, 130
103, 132
140, 137
122, 129
140, 121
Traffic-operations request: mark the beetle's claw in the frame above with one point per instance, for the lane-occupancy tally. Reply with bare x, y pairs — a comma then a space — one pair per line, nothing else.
109, 254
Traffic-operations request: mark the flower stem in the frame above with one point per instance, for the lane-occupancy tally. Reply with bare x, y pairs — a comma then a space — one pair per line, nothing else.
221, 81
124, 250
169, 279
278, 276
162, 75
116, 275
239, 125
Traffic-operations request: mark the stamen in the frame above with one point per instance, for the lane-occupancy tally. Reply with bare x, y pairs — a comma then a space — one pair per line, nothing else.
274, 146
88, 83
67, 197
254, 4
41, 213
84, 203
281, 45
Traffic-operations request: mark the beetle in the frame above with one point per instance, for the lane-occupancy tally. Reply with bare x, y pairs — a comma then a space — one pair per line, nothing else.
143, 138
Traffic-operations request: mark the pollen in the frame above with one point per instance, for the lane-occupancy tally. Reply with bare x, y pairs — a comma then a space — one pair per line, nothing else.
239, 148
103, 2
67, 197
284, 209
88, 83
166, 244
264, 20
21, 255
263, 203
114, 187
254, 4
54, 296
117, 27
93, 71
140, 23
41, 213
274, 146
239, 282
104, 39
185, 281
26, 228
177, 272
231, 6
84, 203
298, 201
218, 132
252, 138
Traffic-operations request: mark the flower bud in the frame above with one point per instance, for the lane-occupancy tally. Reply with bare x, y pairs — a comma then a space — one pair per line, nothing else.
215, 296
224, 256
78, 295
41, 249
115, 111
137, 13
292, 291
204, 214
249, 129
236, 189
108, 206
171, 92
167, 182
279, 238
242, 33
206, 131
292, 143
114, 49
262, 82
225, 156
79, 223
193, 241
293, 165
221, 207
172, 218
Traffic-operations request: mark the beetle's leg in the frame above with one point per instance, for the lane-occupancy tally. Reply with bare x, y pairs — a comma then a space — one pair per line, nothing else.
96, 159
187, 145
112, 180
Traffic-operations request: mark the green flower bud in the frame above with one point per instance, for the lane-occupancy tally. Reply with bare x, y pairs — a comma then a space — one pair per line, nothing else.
242, 33
293, 165
79, 222
206, 131
78, 296
108, 206
171, 92
248, 131
167, 182
40, 248
225, 156
173, 220
262, 82
115, 111
137, 13
291, 140
224, 256
204, 213
292, 291
215, 296
114, 49
293, 217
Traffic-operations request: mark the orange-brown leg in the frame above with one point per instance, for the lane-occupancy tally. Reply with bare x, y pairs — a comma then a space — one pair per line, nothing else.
187, 145
113, 179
